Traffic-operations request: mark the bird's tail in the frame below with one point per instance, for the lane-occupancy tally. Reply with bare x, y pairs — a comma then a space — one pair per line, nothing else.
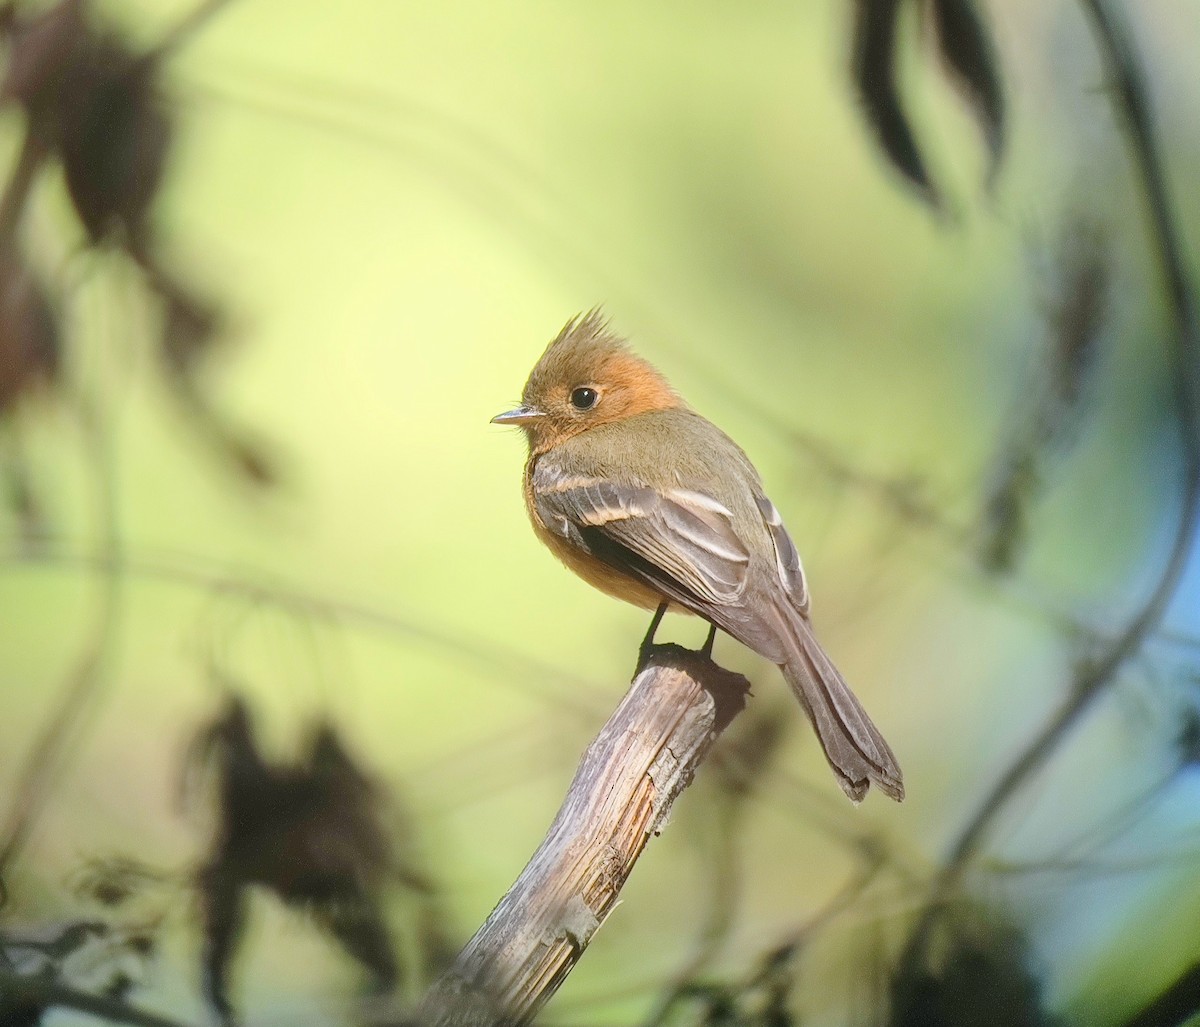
853, 745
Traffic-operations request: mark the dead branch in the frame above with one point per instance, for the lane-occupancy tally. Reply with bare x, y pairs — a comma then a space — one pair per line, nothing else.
622, 794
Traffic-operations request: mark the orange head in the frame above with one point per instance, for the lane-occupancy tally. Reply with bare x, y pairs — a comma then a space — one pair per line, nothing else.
586, 377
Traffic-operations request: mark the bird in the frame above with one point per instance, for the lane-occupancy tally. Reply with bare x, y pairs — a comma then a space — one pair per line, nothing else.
650, 502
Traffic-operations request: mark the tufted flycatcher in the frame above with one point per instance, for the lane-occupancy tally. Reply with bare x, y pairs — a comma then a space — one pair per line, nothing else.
650, 502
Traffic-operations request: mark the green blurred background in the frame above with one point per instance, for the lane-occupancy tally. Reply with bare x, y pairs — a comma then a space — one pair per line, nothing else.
398, 205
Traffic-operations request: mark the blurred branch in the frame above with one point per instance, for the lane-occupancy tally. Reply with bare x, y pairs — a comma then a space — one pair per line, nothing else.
192, 571
20, 990
520, 671
1094, 677
775, 972
82, 682
188, 26
18, 187
1054, 398
740, 762
1174, 1006
901, 494
622, 794
1129, 86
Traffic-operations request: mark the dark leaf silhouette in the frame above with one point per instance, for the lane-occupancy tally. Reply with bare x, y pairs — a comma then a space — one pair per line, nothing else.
311, 833
1176, 1005
17, 1012
190, 327
875, 79
1006, 510
115, 135
1187, 734
94, 103
96, 106
966, 47
983, 978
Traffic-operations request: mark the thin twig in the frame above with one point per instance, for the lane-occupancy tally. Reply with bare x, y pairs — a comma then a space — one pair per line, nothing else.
1094, 678
722, 892
502, 663
190, 24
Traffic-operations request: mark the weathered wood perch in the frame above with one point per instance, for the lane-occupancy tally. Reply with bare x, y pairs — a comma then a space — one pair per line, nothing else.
622, 794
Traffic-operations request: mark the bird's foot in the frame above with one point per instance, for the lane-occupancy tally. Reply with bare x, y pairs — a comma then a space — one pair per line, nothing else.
647, 645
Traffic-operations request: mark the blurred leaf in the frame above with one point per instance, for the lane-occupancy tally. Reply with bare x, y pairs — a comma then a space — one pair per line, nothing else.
1005, 516
115, 137
19, 1012
310, 832
984, 977
966, 47
874, 70
95, 103
1077, 311
97, 106
1187, 731
1176, 1005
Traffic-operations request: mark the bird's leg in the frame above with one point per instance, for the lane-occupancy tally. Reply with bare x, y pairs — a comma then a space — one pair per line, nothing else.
708, 642
648, 641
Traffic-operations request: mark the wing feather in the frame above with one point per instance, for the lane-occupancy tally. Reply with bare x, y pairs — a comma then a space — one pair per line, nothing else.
787, 558
681, 542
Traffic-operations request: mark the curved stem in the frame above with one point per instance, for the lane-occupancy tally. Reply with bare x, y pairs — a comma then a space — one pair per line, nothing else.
83, 681
1094, 678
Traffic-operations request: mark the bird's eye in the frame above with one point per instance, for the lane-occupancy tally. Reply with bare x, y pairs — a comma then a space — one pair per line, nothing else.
584, 398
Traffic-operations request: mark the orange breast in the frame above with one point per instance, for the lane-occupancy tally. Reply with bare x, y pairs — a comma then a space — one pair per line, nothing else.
594, 571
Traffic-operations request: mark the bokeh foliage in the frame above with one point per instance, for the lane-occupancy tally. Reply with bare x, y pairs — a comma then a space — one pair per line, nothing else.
396, 206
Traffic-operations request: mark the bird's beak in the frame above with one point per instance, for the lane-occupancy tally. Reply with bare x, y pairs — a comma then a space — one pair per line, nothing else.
521, 415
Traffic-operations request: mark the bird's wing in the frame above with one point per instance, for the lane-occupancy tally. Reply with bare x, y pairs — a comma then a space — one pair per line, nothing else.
787, 559
680, 542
